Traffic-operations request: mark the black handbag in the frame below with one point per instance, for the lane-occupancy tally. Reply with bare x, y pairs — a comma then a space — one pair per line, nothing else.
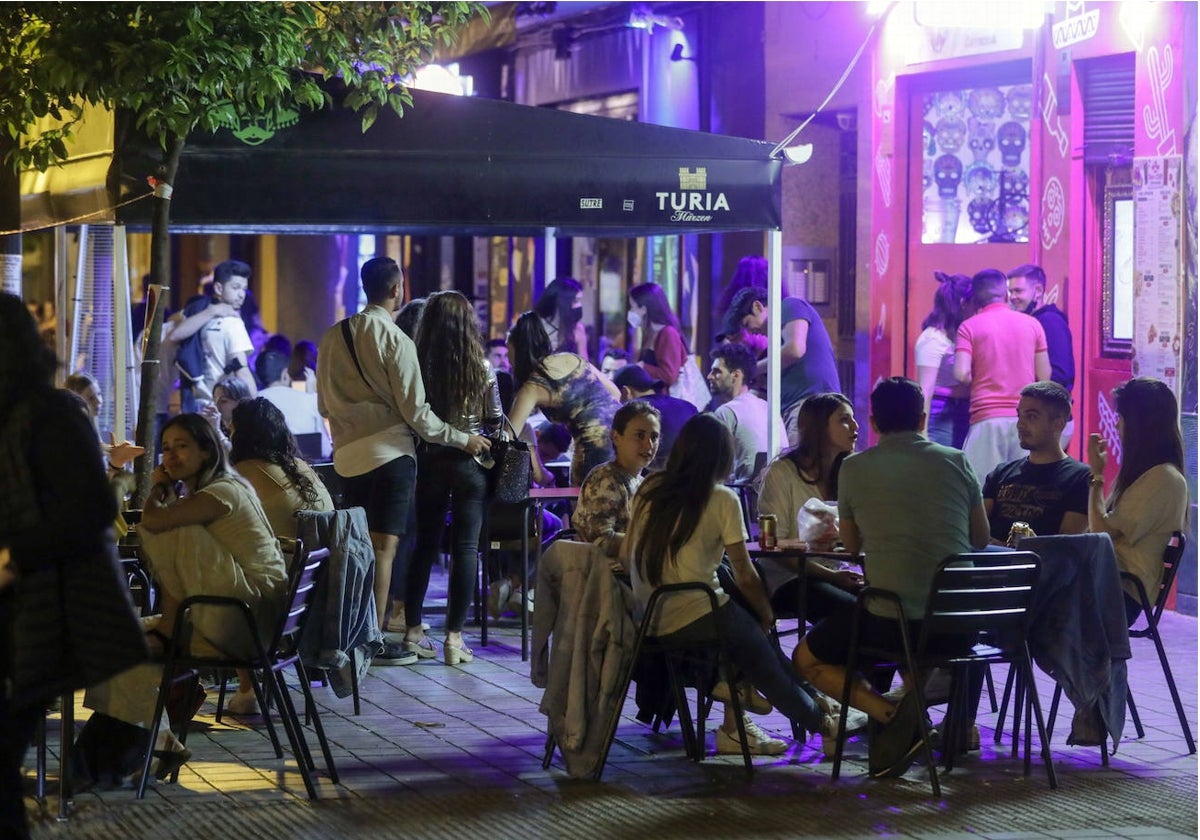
511, 473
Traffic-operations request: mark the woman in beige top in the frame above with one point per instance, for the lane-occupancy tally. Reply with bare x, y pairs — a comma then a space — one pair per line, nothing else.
1149, 496
266, 455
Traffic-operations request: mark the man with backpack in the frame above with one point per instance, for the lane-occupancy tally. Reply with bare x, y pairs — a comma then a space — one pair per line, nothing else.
211, 340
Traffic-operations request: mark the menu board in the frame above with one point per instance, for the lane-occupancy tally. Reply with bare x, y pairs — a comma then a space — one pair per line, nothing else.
1158, 268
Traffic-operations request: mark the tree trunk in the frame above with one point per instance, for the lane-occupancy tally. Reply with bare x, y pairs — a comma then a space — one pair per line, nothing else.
10, 219
160, 274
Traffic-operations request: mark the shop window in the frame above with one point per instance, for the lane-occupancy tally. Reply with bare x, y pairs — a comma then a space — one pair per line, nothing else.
1117, 264
975, 165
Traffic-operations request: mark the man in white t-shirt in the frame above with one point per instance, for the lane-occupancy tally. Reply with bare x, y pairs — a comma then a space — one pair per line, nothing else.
299, 408
223, 335
744, 413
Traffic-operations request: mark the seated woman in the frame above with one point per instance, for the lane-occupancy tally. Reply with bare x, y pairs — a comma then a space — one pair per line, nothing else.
203, 532
1149, 497
827, 432
265, 453
602, 514
682, 520
567, 388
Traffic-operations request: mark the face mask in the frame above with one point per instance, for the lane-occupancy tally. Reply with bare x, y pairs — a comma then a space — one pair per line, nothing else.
634, 319
576, 313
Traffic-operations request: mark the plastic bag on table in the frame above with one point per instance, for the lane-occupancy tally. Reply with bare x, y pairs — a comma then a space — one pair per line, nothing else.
817, 524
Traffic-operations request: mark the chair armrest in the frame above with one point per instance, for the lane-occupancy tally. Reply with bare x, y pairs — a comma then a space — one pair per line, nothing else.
214, 601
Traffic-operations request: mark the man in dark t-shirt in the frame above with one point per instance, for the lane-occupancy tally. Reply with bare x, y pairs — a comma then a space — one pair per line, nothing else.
1046, 489
807, 360
636, 384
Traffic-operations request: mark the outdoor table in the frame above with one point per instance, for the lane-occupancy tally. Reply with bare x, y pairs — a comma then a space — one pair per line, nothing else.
1077, 630
796, 556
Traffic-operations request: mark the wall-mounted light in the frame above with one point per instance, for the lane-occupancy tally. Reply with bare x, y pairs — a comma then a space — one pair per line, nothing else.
677, 54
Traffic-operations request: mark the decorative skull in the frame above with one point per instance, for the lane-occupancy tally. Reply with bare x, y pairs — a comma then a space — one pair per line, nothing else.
1014, 223
927, 135
1014, 183
981, 137
980, 181
1010, 137
926, 174
949, 105
947, 172
982, 214
950, 135
1020, 102
986, 103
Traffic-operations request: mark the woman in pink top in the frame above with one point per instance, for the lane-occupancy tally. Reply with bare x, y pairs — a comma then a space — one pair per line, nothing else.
663, 352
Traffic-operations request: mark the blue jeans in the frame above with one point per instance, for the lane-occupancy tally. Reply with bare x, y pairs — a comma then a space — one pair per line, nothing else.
448, 479
761, 662
949, 420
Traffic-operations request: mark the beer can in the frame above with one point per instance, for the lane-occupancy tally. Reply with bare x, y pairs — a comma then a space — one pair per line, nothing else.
1017, 532
767, 530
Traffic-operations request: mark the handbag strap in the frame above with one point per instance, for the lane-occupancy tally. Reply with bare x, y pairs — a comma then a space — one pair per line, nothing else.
350, 346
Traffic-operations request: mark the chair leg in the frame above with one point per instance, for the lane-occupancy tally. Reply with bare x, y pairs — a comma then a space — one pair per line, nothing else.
264, 696
318, 727
221, 695
735, 699
922, 724
1043, 732
548, 755
1055, 699
39, 738
66, 741
1166, 666
1008, 690
354, 681
614, 719
687, 726
484, 587
164, 688
1133, 713
291, 725
991, 687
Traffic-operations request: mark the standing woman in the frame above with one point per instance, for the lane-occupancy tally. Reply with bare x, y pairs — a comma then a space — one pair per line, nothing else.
663, 352
1149, 497
681, 522
827, 431
227, 393
947, 401
567, 389
561, 309
461, 387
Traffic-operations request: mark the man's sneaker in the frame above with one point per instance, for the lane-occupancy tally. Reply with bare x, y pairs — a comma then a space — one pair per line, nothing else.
972, 745
898, 767
394, 653
752, 701
760, 742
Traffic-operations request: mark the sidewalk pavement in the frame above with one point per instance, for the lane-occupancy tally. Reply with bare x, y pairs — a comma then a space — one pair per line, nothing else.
441, 752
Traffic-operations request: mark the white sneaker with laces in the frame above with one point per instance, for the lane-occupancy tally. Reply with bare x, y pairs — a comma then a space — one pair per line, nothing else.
760, 742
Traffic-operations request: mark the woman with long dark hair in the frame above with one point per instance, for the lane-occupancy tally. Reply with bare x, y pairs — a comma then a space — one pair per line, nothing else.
266, 455
461, 388
1148, 499
568, 390
947, 401
827, 434
662, 352
682, 521
560, 306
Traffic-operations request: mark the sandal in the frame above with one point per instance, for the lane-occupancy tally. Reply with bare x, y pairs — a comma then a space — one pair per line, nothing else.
457, 654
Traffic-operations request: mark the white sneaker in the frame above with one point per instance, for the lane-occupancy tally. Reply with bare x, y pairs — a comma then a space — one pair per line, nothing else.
760, 742
855, 720
498, 595
515, 599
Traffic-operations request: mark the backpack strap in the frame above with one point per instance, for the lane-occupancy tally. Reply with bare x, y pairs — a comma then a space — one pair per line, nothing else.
350, 346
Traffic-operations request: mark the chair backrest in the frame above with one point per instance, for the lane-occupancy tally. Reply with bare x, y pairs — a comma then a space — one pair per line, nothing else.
660, 593
303, 570
987, 590
1172, 555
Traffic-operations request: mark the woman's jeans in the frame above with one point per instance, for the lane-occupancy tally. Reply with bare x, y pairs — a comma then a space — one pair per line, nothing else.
949, 420
448, 479
760, 661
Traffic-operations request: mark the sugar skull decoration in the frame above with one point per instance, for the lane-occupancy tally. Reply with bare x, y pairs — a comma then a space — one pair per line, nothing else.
1014, 219
926, 173
980, 181
982, 212
1014, 183
949, 105
947, 173
927, 138
986, 103
1010, 138
1020, 102
981, 138
951, 133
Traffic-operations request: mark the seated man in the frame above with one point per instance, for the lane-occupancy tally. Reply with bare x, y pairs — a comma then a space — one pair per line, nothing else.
743, 412
636, 384
299, 408
905, 535
1046, 489
602, 514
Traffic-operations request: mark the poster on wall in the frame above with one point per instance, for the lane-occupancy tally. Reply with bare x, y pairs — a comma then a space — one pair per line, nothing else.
1157, 267
975, 165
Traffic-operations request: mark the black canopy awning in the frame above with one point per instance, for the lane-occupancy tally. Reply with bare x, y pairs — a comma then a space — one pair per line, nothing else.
461, 165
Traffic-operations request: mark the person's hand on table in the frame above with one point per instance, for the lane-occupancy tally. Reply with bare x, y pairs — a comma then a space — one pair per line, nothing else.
848, 580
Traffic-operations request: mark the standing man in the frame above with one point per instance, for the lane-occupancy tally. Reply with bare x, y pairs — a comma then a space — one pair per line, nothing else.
743, 412
807, 360
905, 535
997, 352
1046, 488
636, 384
1026, 293
370, 388
224, 341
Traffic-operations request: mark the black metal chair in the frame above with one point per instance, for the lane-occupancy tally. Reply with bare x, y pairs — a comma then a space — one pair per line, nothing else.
1172, 555
511, 527
698, 656
974, 596
271, 659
